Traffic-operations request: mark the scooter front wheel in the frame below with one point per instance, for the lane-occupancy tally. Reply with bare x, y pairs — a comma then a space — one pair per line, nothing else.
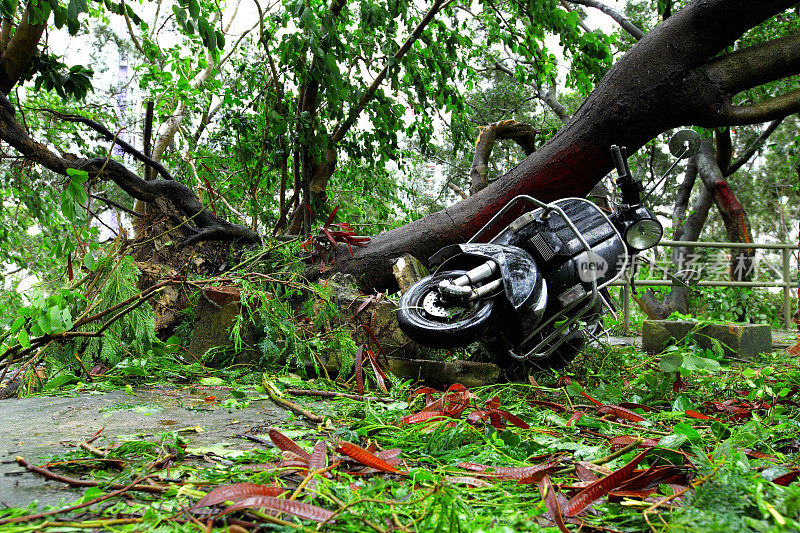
433, 322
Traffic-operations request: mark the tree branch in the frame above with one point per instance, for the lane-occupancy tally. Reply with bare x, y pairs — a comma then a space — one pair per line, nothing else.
108, 136
775, 108
181, 196
754, 147
341, 129
523, 134
626, 24
756, 65
18, 53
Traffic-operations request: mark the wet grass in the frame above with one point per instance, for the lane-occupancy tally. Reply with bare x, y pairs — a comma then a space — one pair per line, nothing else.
731, 426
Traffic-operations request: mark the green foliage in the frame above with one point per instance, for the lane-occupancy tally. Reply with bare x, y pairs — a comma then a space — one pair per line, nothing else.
133, 335
735, 304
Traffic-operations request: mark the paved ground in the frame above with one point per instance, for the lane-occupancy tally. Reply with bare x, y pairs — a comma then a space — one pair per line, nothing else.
40, 427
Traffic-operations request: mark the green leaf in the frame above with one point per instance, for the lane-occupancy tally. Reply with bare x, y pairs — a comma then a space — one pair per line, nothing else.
17, 325
44, 324
691, 362
88, 261
194, 9
674, 441
688, 431
76, 7
77, 175
671, 362
23, 339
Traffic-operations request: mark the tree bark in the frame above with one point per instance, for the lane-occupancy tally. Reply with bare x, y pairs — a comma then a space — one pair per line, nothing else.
17, 54
662, 82
677, 300
734, 217
523, 134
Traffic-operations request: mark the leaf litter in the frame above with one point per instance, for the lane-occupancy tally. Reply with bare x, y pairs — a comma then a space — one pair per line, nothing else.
465, 456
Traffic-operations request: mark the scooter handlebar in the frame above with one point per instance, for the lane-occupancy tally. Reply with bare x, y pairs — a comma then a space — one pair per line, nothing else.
619, 160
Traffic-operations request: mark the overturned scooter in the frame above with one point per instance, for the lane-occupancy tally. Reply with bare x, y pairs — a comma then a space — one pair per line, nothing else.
535, 293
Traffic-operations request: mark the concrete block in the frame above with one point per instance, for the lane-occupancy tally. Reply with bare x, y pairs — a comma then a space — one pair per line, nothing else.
737, 340
442, 374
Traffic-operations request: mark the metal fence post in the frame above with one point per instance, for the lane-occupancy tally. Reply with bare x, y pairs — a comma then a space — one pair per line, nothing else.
626, 307
787, 288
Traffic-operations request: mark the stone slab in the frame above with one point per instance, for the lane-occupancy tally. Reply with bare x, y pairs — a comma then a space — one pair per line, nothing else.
442, 374
737, 340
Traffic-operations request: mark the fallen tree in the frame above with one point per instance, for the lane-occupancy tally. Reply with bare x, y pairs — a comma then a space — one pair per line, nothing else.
673, 76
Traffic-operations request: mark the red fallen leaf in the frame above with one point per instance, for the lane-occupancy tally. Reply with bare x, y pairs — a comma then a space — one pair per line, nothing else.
365, 458
654, 476
507, 472
700, 416
616, 495
295, 508
624, 440
585, 395
583, 473
360, 370
551, 502
620, 412
293, 463
794, 350
630, 405
319, 458
785, 479
513, 419
389, 455
236, 492
423, 390
602, 487
210, 399
678, 385
550, 405
423, 416
364, 305
476, 467
493, 403
481, 414
759, 455
575, 417
467, 480
380, 377
330, 217
374, 340
285, 443
533, 479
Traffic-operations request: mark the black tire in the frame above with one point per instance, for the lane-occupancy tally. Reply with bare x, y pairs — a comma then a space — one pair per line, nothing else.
437, 331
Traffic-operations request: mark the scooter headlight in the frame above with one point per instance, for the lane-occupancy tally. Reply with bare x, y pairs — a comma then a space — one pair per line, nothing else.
644, 233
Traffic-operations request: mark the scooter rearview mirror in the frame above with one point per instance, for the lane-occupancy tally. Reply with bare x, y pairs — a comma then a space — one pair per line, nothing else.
684, 143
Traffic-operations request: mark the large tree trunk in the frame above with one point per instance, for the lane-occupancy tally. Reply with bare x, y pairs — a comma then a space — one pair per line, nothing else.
667, 79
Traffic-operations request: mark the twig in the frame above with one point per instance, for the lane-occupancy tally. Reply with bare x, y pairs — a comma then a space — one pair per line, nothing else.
681, 492
311, 475
52, 476
331, 394
608, 458
95, 436
290, 405
99, 499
